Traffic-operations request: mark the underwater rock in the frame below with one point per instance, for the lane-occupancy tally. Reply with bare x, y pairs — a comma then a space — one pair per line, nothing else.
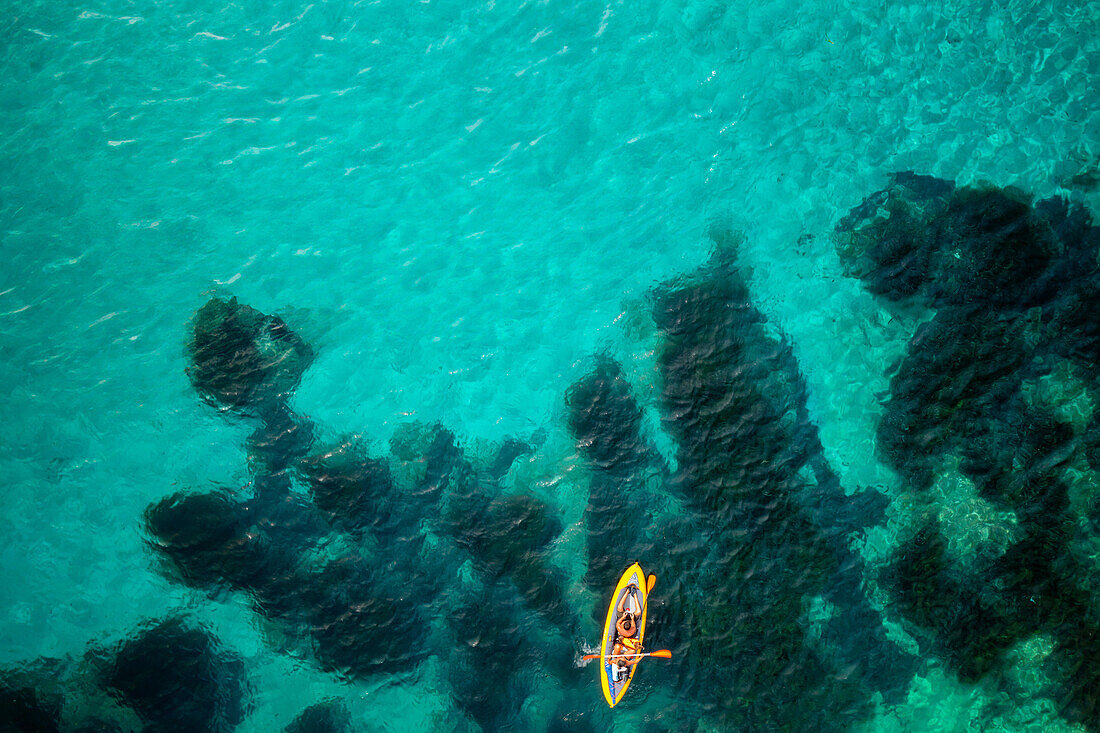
205, 537
1079, 237
970, 629
605, 420
330, 716
359, 494
282, 438
178, 678
360, 620
508, 539
362, 624
291, 523
212, 538
1074, 327
1076, 658
508, 536
731, 403
511, 450
24, 709
606, 423
504, 535
885, 241
510, 528
958, 367
923, 238
1017, 291
446, 468
1013, 451
989, 250
494, 640
244, 360
358, 625
353, 491
1091, 441
731, 418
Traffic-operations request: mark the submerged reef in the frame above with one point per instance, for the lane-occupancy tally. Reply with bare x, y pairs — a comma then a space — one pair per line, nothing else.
751, 527
358, 552
244, 360
1012, 288
177, 678
606, 422
330, 716
27, 708
381, 558
169, 675
733, 402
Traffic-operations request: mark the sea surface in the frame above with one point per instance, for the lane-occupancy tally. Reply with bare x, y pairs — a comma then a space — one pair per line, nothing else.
614, 235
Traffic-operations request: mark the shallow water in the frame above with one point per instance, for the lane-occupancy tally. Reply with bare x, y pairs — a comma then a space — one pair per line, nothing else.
459, 207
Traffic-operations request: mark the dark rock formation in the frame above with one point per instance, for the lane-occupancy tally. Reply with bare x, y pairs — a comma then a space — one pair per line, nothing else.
244, 360
178, 678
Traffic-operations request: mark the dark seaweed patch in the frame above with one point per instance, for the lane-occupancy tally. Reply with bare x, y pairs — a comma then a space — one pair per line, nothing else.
605, 420
958, 366
506, 536
989, 249
358, 625
971, 629
362, 623
924, 239
511, 450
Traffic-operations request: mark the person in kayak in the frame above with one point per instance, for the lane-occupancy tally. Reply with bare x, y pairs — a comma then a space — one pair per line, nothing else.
626, 640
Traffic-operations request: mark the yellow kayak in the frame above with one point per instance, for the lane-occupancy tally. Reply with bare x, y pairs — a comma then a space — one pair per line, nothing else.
635, 585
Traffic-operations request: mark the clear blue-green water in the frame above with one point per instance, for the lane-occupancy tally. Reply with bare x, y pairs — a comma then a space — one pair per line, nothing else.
457, 206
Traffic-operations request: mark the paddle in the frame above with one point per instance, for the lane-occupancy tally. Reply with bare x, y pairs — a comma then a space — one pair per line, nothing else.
663, 653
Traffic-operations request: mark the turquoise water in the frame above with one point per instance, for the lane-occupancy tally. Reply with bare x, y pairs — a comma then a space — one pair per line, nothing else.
457, 206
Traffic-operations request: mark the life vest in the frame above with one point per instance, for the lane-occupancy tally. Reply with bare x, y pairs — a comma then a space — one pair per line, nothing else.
631, 643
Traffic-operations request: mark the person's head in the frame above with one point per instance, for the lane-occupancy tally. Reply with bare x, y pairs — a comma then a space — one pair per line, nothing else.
629, 623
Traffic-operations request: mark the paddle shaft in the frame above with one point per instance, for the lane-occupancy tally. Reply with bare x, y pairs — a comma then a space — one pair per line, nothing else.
659, 653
